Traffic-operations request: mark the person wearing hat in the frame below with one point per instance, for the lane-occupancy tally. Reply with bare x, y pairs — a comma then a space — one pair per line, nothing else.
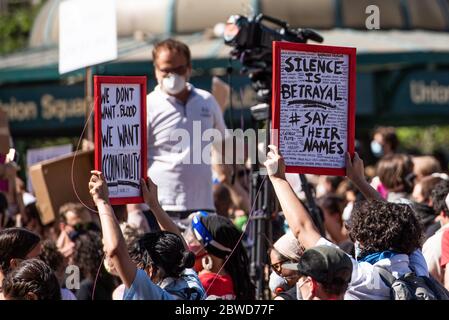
386, 235
324, 273
282, 282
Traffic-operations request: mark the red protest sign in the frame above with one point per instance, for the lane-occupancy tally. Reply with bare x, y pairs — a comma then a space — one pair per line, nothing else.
120, 135
313, 106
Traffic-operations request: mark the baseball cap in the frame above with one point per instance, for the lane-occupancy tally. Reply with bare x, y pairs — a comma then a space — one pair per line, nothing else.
325, 264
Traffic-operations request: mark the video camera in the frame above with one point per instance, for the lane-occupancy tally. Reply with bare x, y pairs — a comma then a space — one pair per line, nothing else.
252, 42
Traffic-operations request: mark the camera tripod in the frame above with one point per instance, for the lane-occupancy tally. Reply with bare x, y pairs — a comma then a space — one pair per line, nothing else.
260, 223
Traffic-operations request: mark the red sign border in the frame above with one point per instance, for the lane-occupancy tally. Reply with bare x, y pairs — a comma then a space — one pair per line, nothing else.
142, 81
291, 46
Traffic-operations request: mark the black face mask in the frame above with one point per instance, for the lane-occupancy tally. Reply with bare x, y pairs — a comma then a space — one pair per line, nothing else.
82, 228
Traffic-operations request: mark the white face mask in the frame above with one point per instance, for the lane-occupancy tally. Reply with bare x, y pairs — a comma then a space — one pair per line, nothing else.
276, 282
173, 84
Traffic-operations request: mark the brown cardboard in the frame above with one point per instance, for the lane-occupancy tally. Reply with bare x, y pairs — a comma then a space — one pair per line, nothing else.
4, 133
52, 183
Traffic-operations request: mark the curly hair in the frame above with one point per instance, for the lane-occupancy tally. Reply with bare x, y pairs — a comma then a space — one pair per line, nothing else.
438, 197
32, 276
51, 255
381, 226
88, 254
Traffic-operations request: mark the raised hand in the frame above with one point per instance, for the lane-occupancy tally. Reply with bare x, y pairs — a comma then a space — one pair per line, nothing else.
149, 192
355, 169
275, 163
98, 187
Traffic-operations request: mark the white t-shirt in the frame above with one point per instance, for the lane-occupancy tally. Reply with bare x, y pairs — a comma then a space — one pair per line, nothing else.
176, 147
366, 283
432, 253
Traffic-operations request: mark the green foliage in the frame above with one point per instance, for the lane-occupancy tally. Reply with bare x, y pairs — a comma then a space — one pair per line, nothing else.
426, 140
15, 28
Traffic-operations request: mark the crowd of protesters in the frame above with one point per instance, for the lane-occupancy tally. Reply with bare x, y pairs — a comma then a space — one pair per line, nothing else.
386, 227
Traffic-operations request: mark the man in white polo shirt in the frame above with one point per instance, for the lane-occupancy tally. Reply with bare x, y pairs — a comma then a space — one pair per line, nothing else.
177, 115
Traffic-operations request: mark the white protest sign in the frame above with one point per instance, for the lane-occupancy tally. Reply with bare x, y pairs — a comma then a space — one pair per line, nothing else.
41, 154
87, 33
314, 107
120, 135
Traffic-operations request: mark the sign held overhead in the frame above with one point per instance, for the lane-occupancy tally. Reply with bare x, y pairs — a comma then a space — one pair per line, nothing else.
120, 135
314, 106
87, 33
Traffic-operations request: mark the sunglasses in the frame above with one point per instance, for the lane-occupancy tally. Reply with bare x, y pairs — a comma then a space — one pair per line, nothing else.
277, 267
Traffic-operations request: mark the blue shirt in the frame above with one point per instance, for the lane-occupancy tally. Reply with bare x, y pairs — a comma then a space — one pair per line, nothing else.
186, 287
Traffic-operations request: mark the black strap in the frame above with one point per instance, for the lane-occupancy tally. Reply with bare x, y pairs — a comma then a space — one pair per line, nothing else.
386, 276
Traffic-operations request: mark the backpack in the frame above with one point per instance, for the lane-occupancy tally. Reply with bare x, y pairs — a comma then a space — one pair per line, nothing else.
412, 287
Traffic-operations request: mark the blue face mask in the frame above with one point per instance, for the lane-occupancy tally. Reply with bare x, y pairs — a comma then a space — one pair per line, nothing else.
376, 149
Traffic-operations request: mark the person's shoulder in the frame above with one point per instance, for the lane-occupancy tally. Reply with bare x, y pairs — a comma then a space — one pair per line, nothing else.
446, 233
206, 278
143, 288
204, 94
432, 241
66, 294
155, 95
118, 292
193, 282
190, 275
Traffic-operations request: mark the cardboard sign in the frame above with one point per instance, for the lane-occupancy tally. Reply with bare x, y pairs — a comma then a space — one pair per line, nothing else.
4, 133
53, 187
87, 33
41, 154
120, 135
314, 106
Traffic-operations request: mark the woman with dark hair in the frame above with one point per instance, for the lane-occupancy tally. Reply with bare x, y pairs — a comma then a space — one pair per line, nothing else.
225, 273
163, 257
160, 265
31, 280
88, 255
16, 244
55, 260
